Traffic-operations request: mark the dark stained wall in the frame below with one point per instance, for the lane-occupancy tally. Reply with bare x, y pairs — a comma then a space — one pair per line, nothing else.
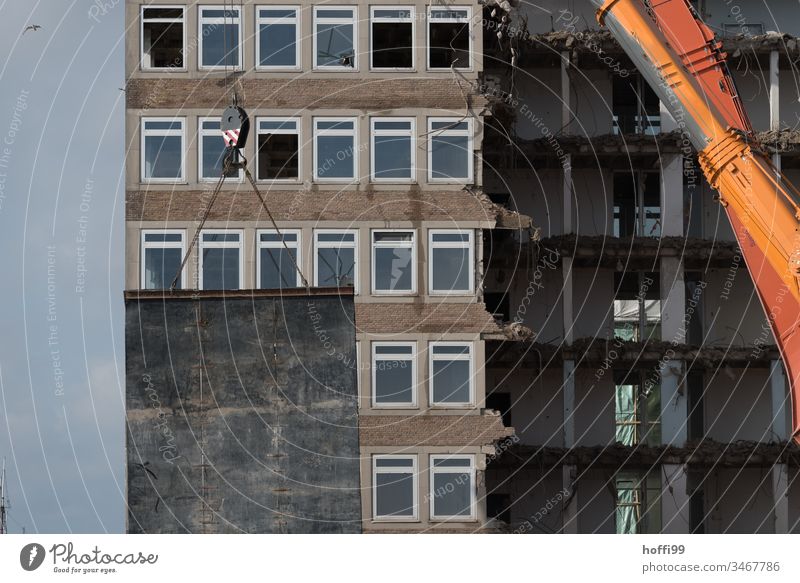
242, 413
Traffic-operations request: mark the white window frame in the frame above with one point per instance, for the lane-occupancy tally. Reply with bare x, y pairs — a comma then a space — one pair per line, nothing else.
297, 131
144, 133
332, 245
161, 245
411, 19
141, 35
470, 33
296, 245
411, 133
413, 470
271, 20
373, 246
220, 245
473, 486
469, 357
202, 133
223, 21
335, 132
373, 365
353, 20
469, 133
451, 245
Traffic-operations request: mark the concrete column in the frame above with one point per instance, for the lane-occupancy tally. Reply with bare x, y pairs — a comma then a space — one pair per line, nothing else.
566, 113
780, 497
672, 196
568, 226
674, 499
779, 394
569, 403
668, 123
774, 92
673, 300
673, 404
569, 512
566, 299
775, 100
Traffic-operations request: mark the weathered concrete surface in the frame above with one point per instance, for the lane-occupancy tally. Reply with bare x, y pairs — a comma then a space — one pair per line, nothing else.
242, 417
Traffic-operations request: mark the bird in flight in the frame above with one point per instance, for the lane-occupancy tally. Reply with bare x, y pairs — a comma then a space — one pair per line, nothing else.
33, 27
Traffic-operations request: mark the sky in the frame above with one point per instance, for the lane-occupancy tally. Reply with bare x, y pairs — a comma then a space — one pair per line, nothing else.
62, 417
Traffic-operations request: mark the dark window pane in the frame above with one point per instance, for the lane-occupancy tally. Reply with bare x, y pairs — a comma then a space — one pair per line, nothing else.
160, 267
451, 381
394, 494
392, 156
449, 44
450, 156
220, 45
163, 156
277, 268
335, 45
335, 157
392, 45
221, 268
162, 44
213, 154
277, 156
452, 494
277, 45
451, 269
393, 269
393, 381
335, 267
163, 13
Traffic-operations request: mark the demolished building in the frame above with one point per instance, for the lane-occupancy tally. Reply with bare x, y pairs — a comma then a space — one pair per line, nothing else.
521, 233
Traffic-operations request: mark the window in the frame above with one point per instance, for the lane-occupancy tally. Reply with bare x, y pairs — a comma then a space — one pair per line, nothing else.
392, 37
638, 508
394, 262
450, 149
276, 268
637, 408
334, 149
211, 152
451, 373
394, 487
635, 106
449, 37
162, 149
162, 253
453, 487
450, 266
335, 254
335, 38
278, 149
393, 374
163, 39
392, 149
637, 306
221, 259
219, 36
277, 44
637, 204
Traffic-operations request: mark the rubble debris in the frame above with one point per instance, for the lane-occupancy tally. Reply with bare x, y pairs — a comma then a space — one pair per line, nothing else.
705, 453
593, 351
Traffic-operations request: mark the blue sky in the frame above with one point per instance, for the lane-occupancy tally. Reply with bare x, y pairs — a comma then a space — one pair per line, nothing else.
61, 220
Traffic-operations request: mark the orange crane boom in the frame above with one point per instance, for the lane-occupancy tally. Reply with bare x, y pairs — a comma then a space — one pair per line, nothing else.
684, 64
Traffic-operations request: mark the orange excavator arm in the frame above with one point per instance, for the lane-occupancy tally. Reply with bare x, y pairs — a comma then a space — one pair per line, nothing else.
684, 64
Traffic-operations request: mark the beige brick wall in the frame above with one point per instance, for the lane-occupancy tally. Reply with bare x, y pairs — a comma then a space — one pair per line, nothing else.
358, 206
372, 94
424, 430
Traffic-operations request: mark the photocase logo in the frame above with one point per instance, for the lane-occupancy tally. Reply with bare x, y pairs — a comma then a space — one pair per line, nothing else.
31, 556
